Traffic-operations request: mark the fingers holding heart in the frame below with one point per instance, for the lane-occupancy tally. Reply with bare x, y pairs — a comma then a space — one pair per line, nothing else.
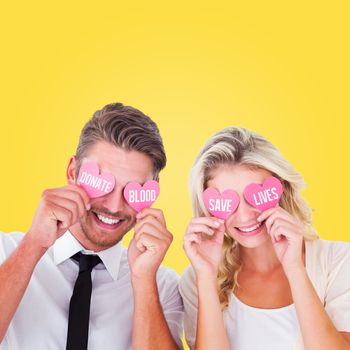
153, 226
280, 224
207, 225
146, 242
200, 228
202, 243
156, 213
82, 194
71, 209
281, 230
72, 202
64, 205
149, 220
150, 243
189, 240
153, 229
63, 216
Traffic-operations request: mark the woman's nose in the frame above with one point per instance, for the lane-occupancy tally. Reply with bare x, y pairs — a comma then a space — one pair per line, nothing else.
245, 213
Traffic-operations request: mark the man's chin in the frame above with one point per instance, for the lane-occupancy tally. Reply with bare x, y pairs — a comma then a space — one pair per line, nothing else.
101, 238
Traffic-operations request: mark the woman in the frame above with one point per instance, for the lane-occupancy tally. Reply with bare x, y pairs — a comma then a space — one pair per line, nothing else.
260, 280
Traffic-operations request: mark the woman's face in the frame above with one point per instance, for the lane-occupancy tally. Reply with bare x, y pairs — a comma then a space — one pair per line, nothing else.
242, 225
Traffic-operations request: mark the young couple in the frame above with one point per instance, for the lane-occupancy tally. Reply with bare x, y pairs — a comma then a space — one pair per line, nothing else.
258, 280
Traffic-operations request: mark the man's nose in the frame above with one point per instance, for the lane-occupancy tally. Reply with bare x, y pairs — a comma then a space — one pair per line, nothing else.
114, 201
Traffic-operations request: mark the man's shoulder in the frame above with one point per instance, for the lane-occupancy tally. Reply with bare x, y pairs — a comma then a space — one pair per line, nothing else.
9, 242
15, 235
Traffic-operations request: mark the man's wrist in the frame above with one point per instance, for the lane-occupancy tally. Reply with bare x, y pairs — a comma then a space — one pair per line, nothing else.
144, 287
32, 246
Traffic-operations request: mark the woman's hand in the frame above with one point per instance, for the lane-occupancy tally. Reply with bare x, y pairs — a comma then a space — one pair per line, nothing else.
203, 245
286, 233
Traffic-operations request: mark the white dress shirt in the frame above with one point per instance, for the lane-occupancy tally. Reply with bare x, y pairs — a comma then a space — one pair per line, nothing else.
41, 320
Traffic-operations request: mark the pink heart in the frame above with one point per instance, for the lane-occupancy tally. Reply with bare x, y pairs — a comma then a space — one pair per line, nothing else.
264, 196
94, 183
220, 205
140, 197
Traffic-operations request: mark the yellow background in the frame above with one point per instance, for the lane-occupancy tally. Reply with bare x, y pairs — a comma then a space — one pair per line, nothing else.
279, 68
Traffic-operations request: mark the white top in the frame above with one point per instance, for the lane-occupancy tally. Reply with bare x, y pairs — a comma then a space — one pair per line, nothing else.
41, 320
252, 328
328, 267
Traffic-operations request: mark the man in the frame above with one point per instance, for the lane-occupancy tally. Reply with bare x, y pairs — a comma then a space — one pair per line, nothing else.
45, 275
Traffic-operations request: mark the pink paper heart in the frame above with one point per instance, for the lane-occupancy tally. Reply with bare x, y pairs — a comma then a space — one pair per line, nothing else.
220, 205
140, 197
264, 196
94, 183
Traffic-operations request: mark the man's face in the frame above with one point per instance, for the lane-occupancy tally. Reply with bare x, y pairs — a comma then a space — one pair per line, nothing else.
110, 216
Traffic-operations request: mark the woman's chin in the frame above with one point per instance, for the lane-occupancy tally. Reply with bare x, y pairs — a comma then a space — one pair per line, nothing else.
251, 241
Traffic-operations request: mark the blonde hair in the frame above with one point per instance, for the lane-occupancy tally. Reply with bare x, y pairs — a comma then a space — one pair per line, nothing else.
234, 145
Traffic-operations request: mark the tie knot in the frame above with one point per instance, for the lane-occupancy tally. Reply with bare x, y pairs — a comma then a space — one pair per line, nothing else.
86, 262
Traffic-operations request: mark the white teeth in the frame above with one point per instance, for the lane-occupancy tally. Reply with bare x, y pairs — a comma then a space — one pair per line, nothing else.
251, 228
107, 220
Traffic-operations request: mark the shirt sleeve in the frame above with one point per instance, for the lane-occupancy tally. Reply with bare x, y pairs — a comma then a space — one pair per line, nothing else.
188, 291
337, 298
8, 243
4, 345
2, 249
172, 305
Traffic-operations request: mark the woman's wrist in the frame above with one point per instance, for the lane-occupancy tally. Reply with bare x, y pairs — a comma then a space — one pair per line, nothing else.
295, 273
206, 282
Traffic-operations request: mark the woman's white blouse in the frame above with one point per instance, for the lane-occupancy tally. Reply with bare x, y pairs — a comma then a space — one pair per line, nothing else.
328, 267
252, 328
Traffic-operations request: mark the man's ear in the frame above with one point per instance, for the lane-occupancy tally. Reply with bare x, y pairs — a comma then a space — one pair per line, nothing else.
71, 169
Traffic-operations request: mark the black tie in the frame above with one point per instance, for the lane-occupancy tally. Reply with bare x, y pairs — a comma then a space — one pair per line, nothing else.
79, 307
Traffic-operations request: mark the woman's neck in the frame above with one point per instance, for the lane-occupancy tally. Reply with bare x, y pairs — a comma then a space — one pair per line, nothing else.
261, 259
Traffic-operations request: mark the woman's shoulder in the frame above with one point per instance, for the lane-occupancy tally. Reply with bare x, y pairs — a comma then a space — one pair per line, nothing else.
329, 253
331, 266
188, 276
187, 285
329, 247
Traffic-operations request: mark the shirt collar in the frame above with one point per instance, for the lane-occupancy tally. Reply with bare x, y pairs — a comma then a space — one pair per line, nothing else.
67, 245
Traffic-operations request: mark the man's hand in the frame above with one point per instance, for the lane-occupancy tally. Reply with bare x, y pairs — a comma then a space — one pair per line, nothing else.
58, 209
149, 244
146, 252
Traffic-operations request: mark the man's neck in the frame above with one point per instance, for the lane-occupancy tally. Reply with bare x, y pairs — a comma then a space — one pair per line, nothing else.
79, 235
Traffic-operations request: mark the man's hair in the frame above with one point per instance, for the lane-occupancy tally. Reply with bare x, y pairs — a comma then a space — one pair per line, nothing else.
125, 127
